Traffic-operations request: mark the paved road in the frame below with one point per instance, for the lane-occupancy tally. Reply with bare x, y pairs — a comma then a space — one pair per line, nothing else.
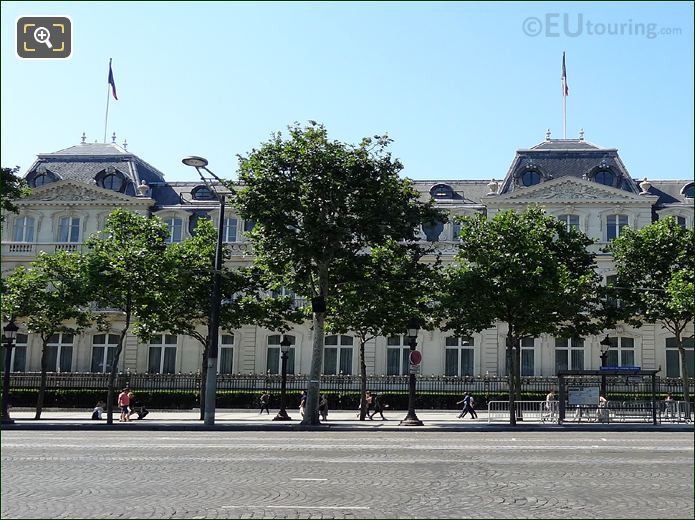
139, 474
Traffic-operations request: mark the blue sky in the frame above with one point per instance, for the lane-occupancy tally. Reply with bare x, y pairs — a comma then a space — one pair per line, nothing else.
458, 86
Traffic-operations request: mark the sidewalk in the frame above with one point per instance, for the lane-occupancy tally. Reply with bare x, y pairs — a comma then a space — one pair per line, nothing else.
338, 420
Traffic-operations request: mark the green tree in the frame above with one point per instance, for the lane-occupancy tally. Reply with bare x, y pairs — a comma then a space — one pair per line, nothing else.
317, 204
49, 297
12, 188
381, 292
527, 270
184, 303
126, 270
655, 268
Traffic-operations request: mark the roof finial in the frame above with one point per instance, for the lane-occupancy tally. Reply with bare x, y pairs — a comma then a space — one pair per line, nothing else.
644, 186
84, 137
113, 138
581, 134
125, 144
547, 134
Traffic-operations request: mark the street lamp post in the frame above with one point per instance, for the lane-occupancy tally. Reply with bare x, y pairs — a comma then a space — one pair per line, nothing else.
215, 300
412, 419
10, 335
284, 349
604, 344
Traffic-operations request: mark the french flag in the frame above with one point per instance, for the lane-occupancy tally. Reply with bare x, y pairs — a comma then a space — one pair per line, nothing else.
565, 88
113, 83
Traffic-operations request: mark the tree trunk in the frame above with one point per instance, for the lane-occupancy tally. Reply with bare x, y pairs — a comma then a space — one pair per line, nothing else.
42, 384
203, 380
114, 368
517, 378
363, 383
311, 410
684, 374
510, 375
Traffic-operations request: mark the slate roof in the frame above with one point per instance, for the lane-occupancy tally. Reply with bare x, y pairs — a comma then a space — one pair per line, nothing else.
556, 158
669, 192
464, 191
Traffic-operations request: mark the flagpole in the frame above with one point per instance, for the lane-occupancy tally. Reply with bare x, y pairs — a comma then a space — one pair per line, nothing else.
108, 96
564, 116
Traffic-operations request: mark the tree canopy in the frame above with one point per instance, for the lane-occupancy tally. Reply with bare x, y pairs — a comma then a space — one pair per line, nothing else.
12, 188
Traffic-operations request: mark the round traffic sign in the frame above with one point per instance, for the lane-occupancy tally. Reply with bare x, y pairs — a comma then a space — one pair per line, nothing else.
415, 357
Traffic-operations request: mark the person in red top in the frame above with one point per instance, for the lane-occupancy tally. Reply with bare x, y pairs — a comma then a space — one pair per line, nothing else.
124, 402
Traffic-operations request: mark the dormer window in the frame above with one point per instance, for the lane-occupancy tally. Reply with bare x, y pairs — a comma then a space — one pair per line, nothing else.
40, 180
113, 182
202, 193
688, 190
605, 177
442, 191
530, 178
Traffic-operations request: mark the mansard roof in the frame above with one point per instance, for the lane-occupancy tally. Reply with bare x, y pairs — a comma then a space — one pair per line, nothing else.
556, 158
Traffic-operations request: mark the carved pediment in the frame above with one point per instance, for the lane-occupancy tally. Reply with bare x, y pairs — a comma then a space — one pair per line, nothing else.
70, 191
570, 189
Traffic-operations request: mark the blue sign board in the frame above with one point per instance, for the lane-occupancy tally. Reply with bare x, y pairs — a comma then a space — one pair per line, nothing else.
622, 369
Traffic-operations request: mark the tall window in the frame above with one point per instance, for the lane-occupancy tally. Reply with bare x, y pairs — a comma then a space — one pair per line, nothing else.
528, 359
570, 221
69, 229
162, 355
23, 229
103, 351
455, 231
614, 226
175, 225
681, 222
337, 355
397, 355
673, 357
459, 356
613, 300
230, 229
621, 352
274, 352
19, 354
225, 361
569, 354
60, 352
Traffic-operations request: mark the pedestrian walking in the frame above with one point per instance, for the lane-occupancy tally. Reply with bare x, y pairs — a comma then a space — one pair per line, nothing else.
323, 407
302, 403
550, 406
124, 403
265, 403
377, 408
467, 402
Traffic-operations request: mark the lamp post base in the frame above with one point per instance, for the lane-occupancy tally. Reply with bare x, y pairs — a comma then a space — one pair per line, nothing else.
282, 416
411, 420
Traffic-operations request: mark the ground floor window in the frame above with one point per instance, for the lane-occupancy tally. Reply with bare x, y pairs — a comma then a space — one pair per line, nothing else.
274, 364
162, 355
225, 359
621, 352
337, 355
103, 351
59, 354
673, 357
18, 360
458, 356
397, 355
569, 354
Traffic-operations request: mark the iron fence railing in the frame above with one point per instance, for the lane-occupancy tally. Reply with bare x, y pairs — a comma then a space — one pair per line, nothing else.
334, 383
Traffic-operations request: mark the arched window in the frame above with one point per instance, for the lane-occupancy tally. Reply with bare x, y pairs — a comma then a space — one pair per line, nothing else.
441, 191
605, 177
40, 180
688, 190
202, 193
530, 177
113, 181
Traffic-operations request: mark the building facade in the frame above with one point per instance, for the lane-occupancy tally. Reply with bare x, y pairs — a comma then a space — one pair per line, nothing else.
583, 185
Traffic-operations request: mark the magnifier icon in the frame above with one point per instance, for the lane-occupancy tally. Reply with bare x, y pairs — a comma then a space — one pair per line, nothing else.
43, 35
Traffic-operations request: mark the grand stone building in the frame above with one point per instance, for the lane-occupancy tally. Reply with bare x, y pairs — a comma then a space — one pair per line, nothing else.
582, 184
